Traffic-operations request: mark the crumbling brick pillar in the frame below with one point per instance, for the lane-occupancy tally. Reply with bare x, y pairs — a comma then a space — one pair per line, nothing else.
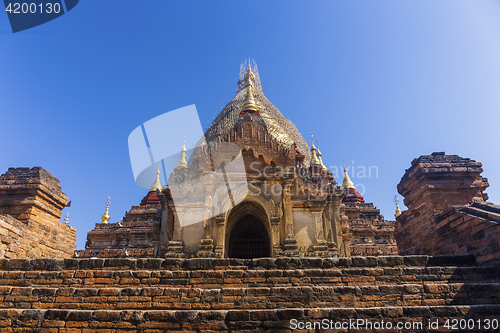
34, 199
431, 185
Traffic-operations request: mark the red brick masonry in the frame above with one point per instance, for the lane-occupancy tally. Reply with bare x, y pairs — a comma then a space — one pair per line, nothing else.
259, 295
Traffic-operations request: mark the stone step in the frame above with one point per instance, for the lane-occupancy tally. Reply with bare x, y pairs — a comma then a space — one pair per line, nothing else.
44, 297
411, 319
229, 263
211, 278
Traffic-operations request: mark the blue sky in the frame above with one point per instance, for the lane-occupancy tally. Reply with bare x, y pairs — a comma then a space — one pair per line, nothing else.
378, 83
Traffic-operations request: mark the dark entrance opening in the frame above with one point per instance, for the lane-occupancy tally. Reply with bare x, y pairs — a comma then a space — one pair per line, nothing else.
249, 239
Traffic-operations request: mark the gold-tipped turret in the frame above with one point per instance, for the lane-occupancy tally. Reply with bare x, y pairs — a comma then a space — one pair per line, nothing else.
396, 201
347, 183
182, 160
314, 157
157, 184
105, 217
318, 154
398, 211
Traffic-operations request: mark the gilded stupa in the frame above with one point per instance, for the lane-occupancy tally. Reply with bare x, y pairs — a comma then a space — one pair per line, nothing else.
250, 98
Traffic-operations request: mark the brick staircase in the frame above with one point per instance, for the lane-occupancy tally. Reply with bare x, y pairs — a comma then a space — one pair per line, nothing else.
259, 295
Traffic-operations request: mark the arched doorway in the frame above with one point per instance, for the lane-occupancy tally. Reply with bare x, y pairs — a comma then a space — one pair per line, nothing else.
249, 239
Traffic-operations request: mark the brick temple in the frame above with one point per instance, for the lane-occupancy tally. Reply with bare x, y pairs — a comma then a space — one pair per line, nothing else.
288, 202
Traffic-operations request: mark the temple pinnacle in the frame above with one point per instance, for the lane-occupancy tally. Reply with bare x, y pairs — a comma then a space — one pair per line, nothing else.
396, 201
182, 160
157, 184
105, 217
347, 183
314, 157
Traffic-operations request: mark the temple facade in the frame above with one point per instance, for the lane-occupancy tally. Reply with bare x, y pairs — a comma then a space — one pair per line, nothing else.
252, 187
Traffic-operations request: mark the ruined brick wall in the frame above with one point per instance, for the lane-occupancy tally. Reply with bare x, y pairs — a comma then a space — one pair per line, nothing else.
435, 185
199, 295
473, 229
372, 235
31, 203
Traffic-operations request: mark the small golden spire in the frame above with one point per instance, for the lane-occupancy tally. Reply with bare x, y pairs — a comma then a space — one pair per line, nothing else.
314, 156
157, 184
105, 216
347, 183
396, 200
318, 154
182, 160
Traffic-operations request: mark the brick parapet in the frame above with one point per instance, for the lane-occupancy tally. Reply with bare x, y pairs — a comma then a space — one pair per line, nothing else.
440, 181
31, 194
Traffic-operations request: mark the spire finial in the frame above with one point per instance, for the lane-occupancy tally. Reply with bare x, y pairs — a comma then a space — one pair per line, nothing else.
318, 153
249, 103
105, 217
314, 156
347, 183
182, 160
157, 183
396, 201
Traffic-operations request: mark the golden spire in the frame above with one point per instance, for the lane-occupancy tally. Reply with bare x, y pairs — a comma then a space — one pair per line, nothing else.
157, 184
249, 103
314, 157
182, 160
318, 154
347, 183
396, 200
105, 216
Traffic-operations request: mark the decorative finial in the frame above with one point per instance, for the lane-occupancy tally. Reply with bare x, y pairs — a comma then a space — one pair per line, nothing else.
347, 183
66, 219
182, 160
318, 154
396, 201
314, 156
105, 216
249, 104
157, 183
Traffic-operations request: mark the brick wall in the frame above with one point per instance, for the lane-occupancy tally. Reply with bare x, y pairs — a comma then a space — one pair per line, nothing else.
30, 239
199, 295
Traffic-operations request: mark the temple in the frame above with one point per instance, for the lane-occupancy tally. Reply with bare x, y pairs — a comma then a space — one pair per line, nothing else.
252, 187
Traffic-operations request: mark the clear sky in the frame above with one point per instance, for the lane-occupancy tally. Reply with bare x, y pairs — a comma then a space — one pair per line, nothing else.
378, 83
